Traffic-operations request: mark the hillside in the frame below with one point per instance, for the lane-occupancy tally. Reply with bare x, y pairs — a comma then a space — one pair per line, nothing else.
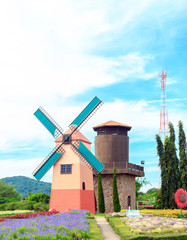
24, 185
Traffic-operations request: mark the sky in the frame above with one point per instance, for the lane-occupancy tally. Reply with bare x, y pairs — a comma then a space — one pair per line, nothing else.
60, 54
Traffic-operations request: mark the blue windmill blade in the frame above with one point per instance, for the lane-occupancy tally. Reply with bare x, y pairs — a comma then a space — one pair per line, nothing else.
85, 155
48, 122
48, 162
87, 112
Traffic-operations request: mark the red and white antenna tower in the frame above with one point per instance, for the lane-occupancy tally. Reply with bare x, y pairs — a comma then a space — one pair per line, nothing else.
163, 106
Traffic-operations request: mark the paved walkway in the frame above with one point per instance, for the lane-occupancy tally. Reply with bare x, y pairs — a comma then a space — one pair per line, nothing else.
106, 230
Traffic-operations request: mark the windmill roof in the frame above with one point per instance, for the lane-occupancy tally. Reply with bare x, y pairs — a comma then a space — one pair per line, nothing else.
112, 124
75, 136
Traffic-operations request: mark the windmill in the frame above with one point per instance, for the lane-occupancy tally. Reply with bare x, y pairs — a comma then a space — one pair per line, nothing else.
72, 161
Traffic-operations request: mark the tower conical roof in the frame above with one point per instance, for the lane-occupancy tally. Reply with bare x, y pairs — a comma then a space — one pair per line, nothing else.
112, 124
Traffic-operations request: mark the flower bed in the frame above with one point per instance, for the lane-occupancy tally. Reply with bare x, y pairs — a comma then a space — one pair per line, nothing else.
161, 212
4, 213
27, 215
155, 224
164, 212
70, 225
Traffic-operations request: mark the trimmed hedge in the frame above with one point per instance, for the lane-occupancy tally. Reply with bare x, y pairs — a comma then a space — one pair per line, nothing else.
94, 230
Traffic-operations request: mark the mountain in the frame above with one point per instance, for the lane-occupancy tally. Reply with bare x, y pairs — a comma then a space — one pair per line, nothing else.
25, 185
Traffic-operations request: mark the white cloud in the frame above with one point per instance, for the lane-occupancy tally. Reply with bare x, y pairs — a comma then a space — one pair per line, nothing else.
12, 167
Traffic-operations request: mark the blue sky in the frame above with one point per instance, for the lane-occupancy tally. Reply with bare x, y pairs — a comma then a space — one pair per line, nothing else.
60, 54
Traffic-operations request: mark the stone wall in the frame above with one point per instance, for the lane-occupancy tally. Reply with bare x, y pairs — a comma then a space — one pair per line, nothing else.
126, 187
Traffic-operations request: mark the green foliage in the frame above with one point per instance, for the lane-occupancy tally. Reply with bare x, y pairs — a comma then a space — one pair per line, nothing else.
116, 203
150, 196
173, 168
120, 228
169, 163
24, 205
140, 182
25, 185
41, 207
183, 156
100, 195
38, 197
95, 231
152, 190
158, 202
164, 197
8, 193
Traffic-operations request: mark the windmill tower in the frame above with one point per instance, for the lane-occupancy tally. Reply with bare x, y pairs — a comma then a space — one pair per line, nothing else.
112, 149
72, 161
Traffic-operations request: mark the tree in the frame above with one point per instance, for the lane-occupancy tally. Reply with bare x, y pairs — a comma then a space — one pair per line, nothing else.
152, 190
164, 192
8, 193
100, 195
39, 197
172, 168
161, 152
183, 156
140, 182
116, 203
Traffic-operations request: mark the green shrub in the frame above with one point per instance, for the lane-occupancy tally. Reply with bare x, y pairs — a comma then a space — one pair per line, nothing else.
116, 203
25, 205
100, 195
120, 228
41, 207
38, 197
11, 206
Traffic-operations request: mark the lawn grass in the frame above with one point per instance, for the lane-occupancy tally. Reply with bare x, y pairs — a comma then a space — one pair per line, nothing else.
120, 228
95, 231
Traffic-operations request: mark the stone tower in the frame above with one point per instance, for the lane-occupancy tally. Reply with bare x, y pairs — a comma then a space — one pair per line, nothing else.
112, 150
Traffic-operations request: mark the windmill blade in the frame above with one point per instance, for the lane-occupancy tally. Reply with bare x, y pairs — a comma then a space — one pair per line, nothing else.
88, 111
85, 155
48, 162
48, 122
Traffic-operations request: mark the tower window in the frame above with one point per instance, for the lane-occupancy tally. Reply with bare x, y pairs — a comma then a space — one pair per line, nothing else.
83, 185
129, 201
66, 169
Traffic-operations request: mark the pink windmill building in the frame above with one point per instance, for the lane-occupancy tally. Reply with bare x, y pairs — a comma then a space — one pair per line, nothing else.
72, 161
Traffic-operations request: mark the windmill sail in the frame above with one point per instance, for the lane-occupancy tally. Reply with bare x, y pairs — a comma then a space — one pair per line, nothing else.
48, 162
79, 148
86, 113
48, 122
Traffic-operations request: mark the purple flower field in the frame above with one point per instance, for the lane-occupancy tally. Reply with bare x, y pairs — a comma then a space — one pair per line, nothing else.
71, 225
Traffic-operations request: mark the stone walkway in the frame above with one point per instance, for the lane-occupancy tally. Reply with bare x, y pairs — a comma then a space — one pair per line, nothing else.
106, 230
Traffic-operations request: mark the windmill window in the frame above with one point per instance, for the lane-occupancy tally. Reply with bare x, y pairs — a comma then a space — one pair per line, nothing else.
83, 186
66, 169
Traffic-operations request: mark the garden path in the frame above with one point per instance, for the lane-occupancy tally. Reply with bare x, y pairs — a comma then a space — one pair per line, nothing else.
106, 230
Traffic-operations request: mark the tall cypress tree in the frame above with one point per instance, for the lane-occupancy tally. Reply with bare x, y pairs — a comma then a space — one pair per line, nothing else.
100, 195
161, 149
173, 168
116, 203
183, 156
165, 175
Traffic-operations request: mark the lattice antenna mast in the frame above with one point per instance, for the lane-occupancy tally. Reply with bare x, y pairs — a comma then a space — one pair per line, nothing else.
163, 106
